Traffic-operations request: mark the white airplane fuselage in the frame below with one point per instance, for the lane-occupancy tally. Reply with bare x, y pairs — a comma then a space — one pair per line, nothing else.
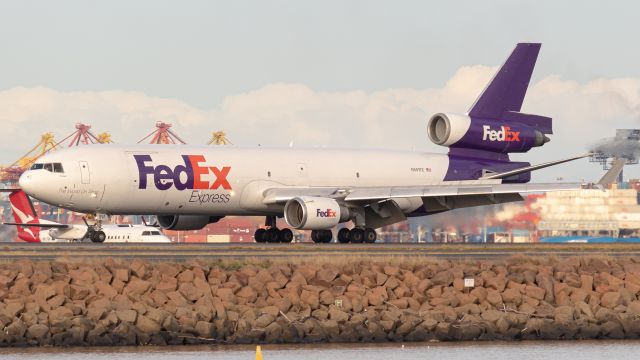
315, 189
155, 179
114, 234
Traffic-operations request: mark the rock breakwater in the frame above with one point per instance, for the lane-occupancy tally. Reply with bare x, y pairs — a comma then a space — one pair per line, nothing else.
140, 303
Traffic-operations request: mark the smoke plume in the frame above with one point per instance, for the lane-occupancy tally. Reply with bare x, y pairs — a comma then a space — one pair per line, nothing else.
622, 146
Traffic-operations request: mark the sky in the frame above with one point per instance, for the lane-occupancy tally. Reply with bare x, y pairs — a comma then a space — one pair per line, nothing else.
316, 73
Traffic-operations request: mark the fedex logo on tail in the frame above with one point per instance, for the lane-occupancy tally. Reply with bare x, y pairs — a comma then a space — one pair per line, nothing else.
326, 213
193, 175
504, 134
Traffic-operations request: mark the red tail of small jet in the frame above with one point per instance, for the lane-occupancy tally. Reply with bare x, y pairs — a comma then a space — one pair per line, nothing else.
24, 213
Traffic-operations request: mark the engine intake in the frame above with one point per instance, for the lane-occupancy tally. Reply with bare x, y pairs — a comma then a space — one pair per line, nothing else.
186, 222
446, 129
314, 213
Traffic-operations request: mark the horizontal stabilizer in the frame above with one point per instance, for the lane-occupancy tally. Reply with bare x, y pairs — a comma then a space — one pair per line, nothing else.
507, 174
57, 226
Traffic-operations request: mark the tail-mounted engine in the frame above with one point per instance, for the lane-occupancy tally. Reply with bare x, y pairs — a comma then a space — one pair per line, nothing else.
514, 132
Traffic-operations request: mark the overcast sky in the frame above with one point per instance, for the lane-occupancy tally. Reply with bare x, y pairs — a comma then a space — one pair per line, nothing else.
323, 73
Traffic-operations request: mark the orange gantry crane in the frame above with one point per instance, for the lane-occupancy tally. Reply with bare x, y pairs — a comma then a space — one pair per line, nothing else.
82, 135
12, 172
163, 135
219, 138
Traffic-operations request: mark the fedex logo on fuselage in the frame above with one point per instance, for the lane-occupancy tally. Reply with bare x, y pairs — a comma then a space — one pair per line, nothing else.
326, 213
194, 171
504, 134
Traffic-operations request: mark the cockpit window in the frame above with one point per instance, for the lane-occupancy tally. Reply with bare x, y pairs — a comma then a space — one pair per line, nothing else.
155, 233
146, 233
52, 167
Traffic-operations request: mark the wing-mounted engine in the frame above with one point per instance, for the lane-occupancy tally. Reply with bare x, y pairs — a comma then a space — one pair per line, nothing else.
314, 213
186, 222
513, 132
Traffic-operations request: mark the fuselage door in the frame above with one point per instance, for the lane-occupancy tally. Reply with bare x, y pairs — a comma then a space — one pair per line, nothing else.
84, 172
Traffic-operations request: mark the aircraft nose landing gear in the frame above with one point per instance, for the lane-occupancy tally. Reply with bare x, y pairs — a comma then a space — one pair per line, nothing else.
272, 234
98, 236
94, 232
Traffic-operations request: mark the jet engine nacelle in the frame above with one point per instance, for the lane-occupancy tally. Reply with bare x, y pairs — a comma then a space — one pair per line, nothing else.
314, 213
515, 133
186, 222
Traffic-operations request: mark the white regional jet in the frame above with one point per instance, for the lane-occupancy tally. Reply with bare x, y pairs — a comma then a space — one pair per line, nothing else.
30, 227
188, 187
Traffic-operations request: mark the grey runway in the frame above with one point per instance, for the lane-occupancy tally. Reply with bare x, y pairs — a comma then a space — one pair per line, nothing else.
190, 251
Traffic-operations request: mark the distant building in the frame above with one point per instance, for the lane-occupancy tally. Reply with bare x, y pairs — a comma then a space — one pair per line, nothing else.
589, 212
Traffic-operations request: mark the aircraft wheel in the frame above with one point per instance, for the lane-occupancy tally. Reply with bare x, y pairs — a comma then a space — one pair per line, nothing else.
370, 235
321, 236
343, 236
325, 236
259, 236
98, 237
286, 235
356, 235
272, 235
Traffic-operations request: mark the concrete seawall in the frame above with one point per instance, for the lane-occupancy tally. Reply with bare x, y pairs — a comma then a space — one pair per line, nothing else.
139, 303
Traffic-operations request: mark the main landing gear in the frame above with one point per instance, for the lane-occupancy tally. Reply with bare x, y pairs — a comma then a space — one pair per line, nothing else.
272, 234
321, 236
357, 236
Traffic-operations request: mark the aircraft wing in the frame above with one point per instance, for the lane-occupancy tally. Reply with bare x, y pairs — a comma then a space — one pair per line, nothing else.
454, 188
57, 226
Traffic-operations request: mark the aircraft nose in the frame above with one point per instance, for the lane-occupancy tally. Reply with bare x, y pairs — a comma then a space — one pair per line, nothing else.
26, 182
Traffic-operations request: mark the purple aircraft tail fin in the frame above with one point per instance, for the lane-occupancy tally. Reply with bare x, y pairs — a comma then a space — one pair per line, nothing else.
494, 126
506, 90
